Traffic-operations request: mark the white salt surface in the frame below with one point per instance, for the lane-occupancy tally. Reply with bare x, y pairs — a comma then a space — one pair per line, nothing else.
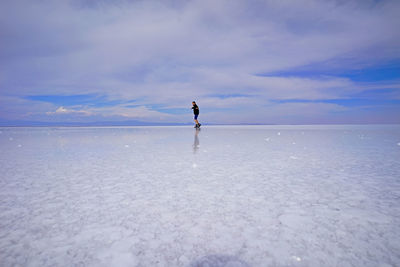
224, 196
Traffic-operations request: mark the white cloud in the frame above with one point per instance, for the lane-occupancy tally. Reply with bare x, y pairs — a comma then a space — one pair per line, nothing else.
282, 113
63, 110
171, 52
140, 112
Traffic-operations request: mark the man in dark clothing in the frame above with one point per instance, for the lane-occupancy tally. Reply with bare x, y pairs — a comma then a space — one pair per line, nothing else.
196, 112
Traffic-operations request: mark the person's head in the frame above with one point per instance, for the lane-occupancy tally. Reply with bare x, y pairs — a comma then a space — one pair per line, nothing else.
193, 103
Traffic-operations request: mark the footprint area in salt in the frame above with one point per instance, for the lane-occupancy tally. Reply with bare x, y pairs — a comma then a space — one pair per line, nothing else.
221, 196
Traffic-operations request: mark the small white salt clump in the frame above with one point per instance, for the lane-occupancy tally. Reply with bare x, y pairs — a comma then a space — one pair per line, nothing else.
296, 258
398, 143
10, 138
19, 146
194, 165
126, 146
279, 133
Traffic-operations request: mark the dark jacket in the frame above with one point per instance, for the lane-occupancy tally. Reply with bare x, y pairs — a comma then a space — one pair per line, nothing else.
196, 110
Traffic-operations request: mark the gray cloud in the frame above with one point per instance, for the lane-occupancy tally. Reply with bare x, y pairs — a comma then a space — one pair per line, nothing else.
169, 52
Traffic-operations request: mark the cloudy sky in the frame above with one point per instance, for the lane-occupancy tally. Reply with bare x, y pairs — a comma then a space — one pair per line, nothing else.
250, 61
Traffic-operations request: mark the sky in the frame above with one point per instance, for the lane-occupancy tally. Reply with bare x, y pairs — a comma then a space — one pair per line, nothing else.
243, 62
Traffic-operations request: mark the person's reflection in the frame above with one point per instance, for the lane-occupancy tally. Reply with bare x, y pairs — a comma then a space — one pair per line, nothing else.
196, 142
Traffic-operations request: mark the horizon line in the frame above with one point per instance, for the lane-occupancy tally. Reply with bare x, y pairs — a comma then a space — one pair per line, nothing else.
186, 125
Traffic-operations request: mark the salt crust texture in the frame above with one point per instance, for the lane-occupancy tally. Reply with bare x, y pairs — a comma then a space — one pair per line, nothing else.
221, 196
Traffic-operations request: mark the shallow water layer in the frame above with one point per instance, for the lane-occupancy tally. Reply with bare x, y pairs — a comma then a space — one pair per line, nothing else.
222, 196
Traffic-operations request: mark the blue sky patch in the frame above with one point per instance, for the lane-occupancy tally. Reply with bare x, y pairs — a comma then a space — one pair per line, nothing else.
163, 109
346, 102
92, 100
174, 110
385, 72
224, 96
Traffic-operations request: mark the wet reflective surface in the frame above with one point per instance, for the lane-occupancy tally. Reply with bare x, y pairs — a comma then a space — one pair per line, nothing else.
177, 196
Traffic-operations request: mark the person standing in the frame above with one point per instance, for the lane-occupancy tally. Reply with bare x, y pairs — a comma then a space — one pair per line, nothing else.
196, 112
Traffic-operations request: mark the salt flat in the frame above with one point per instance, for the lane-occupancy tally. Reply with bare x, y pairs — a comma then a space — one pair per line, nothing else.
174, 196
